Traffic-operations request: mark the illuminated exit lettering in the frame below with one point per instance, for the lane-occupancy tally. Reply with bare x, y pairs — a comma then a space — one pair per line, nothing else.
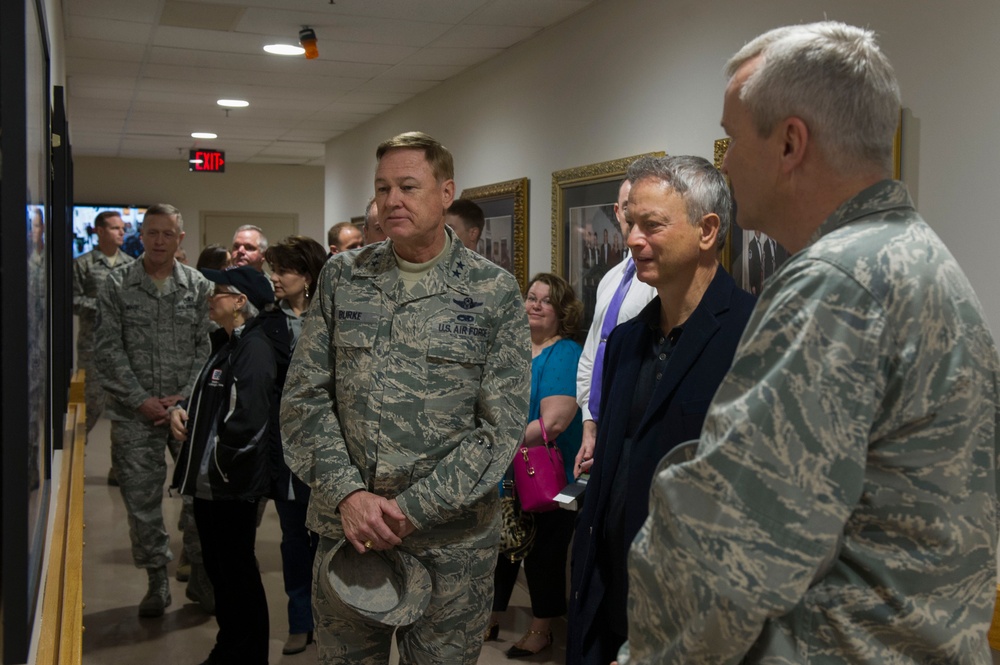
212, 161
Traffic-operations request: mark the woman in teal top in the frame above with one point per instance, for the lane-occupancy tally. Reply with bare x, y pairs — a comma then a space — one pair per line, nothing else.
554, 315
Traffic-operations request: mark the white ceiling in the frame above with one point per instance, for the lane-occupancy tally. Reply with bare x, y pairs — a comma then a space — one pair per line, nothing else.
143, 74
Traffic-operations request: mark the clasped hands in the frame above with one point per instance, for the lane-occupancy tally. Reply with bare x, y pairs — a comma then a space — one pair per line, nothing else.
155, 408
373, 522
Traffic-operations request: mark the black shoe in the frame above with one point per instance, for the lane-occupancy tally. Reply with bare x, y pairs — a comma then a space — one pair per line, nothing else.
492, 633
517, 652
297, 643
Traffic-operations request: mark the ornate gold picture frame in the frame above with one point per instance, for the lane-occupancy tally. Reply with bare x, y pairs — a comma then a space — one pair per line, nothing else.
504, 239
586, 238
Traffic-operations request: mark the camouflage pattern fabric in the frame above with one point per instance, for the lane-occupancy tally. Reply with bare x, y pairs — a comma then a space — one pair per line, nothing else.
842, 505
149, 344
89, 273
419, 395
450, 631
138, 455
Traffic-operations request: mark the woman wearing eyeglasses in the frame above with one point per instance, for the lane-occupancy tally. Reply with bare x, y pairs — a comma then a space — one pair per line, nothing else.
226, 460
554, 316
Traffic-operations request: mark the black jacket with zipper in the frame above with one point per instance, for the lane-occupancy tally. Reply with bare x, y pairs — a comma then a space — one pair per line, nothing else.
229, 450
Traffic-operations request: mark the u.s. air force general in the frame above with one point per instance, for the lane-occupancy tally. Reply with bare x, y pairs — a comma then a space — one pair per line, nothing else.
404, 402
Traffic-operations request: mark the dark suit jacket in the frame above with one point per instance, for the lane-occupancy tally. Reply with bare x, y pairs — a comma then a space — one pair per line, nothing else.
675, 414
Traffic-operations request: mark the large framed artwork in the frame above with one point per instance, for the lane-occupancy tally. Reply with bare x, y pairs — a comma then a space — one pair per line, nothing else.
25, 296
504, 239
586, 238
751, 256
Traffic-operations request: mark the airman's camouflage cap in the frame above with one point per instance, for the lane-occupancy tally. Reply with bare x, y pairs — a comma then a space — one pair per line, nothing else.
391, 587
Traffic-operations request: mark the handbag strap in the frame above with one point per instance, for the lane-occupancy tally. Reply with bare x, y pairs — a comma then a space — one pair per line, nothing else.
545, 435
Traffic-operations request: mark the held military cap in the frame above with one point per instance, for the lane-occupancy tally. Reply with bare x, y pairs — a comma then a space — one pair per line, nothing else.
248, 280
392, 587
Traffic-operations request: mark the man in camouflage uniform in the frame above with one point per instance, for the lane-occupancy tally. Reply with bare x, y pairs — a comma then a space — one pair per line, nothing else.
89, 273
406, 396
151, 340
842, 504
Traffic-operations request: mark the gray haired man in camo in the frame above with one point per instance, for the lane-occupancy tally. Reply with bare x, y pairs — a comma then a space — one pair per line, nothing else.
405, 398
842, 504
151, 339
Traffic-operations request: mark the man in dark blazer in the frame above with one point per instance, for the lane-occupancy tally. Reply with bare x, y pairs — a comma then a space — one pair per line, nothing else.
661, 371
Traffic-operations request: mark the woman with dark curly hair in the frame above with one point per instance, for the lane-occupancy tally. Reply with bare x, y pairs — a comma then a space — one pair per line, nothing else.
554, 315
295, 264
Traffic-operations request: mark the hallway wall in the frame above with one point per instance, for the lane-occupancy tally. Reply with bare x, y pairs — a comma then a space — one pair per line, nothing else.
631, 76
252, 188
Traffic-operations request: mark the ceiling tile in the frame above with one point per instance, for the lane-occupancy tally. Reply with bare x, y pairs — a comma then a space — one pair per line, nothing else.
485, 36
112, 30
456, 57
200, 15
424, 72
142, 74
533, 13
137, 11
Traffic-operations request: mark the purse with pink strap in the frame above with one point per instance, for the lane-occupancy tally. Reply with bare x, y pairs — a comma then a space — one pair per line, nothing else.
539, 475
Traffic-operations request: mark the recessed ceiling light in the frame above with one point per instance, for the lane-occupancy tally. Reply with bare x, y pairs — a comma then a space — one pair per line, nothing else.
204, 135
284, 49
233, 103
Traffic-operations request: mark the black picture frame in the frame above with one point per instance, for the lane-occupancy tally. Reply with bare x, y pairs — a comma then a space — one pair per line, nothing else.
25, 287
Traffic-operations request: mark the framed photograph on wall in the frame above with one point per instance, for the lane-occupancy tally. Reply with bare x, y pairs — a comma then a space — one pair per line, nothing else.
26, 297
504, 239
749, 256
586, 238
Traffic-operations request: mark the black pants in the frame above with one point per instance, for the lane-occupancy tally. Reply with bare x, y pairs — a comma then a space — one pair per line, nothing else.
228, 530
544, 567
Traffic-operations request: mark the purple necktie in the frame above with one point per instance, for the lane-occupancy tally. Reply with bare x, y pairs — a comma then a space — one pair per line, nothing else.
610, 321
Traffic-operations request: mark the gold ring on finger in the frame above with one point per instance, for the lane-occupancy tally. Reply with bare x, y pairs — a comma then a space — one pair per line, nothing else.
369, 544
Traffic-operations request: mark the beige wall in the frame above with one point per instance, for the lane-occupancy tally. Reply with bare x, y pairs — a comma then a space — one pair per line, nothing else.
251, 188
630, 76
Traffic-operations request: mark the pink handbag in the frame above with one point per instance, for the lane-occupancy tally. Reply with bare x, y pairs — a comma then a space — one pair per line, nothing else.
539, 475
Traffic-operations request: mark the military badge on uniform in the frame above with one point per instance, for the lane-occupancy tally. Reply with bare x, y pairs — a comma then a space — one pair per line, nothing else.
467, 303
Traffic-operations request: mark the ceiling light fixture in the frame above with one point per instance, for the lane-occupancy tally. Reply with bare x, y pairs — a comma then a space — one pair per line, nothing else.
284, 49
204, 135
233, 103
307, 37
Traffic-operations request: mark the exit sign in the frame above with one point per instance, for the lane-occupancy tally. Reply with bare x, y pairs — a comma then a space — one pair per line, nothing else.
212, 161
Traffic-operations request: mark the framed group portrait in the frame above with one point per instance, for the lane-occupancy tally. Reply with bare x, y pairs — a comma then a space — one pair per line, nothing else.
586, 237
504, 239
751, 257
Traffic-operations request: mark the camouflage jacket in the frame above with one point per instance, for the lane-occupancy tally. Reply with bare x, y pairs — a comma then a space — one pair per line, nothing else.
842, 506
149, 344
89, 272
420, 395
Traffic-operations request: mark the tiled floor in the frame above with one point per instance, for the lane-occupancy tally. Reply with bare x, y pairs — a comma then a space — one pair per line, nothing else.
112, 588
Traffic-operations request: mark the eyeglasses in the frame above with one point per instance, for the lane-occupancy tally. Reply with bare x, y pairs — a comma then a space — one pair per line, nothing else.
216, 294
532, 300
